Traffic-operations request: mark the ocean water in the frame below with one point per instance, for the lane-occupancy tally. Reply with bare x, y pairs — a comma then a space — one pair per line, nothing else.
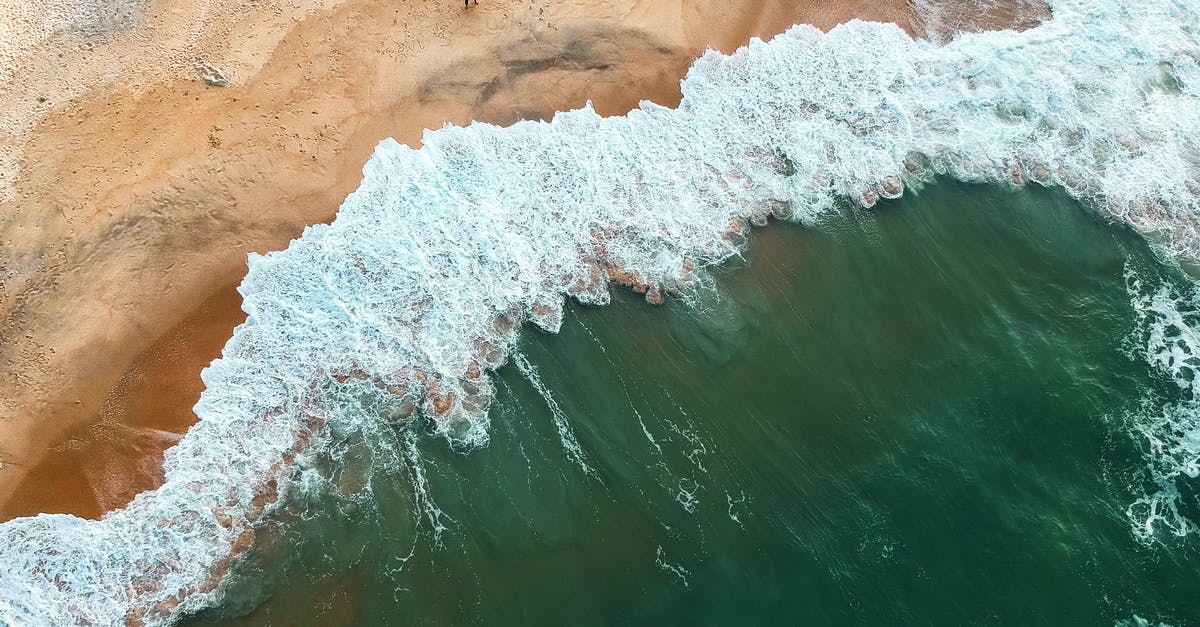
931, 412
400, 346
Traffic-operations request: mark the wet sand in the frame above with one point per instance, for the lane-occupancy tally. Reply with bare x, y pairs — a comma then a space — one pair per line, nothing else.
117, 453
139, 189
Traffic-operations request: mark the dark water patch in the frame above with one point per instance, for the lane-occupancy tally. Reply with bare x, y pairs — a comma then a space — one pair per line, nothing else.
904, 416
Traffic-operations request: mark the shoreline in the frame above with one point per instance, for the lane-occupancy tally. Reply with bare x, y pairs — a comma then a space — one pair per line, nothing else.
162, 189
158, 190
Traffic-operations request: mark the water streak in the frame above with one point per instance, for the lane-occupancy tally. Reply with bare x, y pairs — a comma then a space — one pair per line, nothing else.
417, 291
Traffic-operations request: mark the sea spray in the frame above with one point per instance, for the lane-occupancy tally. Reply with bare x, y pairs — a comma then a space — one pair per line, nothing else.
416, 292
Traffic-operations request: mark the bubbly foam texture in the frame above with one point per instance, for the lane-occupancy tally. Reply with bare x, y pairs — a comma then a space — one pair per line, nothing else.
406, 302
1168, 337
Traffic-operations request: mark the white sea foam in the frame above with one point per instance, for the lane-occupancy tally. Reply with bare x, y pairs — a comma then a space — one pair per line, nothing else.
566, 434
1169, 340
416, 291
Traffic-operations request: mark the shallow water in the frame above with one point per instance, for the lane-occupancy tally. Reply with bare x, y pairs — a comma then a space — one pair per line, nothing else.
916, 414
408, 300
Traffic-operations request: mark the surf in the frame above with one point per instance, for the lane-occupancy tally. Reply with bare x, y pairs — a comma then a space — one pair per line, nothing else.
404, 305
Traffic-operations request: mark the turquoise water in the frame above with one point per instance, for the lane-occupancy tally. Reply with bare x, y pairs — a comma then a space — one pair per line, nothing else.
811, 440
918, 414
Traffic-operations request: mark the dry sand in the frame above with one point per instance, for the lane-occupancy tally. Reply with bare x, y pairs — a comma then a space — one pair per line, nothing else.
133, 190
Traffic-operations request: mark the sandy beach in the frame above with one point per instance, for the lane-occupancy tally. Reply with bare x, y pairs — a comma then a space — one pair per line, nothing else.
132, 190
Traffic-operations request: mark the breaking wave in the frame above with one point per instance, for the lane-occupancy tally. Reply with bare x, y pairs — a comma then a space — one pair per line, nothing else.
401, 308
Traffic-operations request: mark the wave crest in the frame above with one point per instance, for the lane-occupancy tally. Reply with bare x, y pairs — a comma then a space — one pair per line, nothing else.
401, 307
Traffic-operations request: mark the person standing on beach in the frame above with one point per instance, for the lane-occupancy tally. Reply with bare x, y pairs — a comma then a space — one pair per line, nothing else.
468, 2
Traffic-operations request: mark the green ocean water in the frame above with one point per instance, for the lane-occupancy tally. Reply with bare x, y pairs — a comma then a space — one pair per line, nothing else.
917, 414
